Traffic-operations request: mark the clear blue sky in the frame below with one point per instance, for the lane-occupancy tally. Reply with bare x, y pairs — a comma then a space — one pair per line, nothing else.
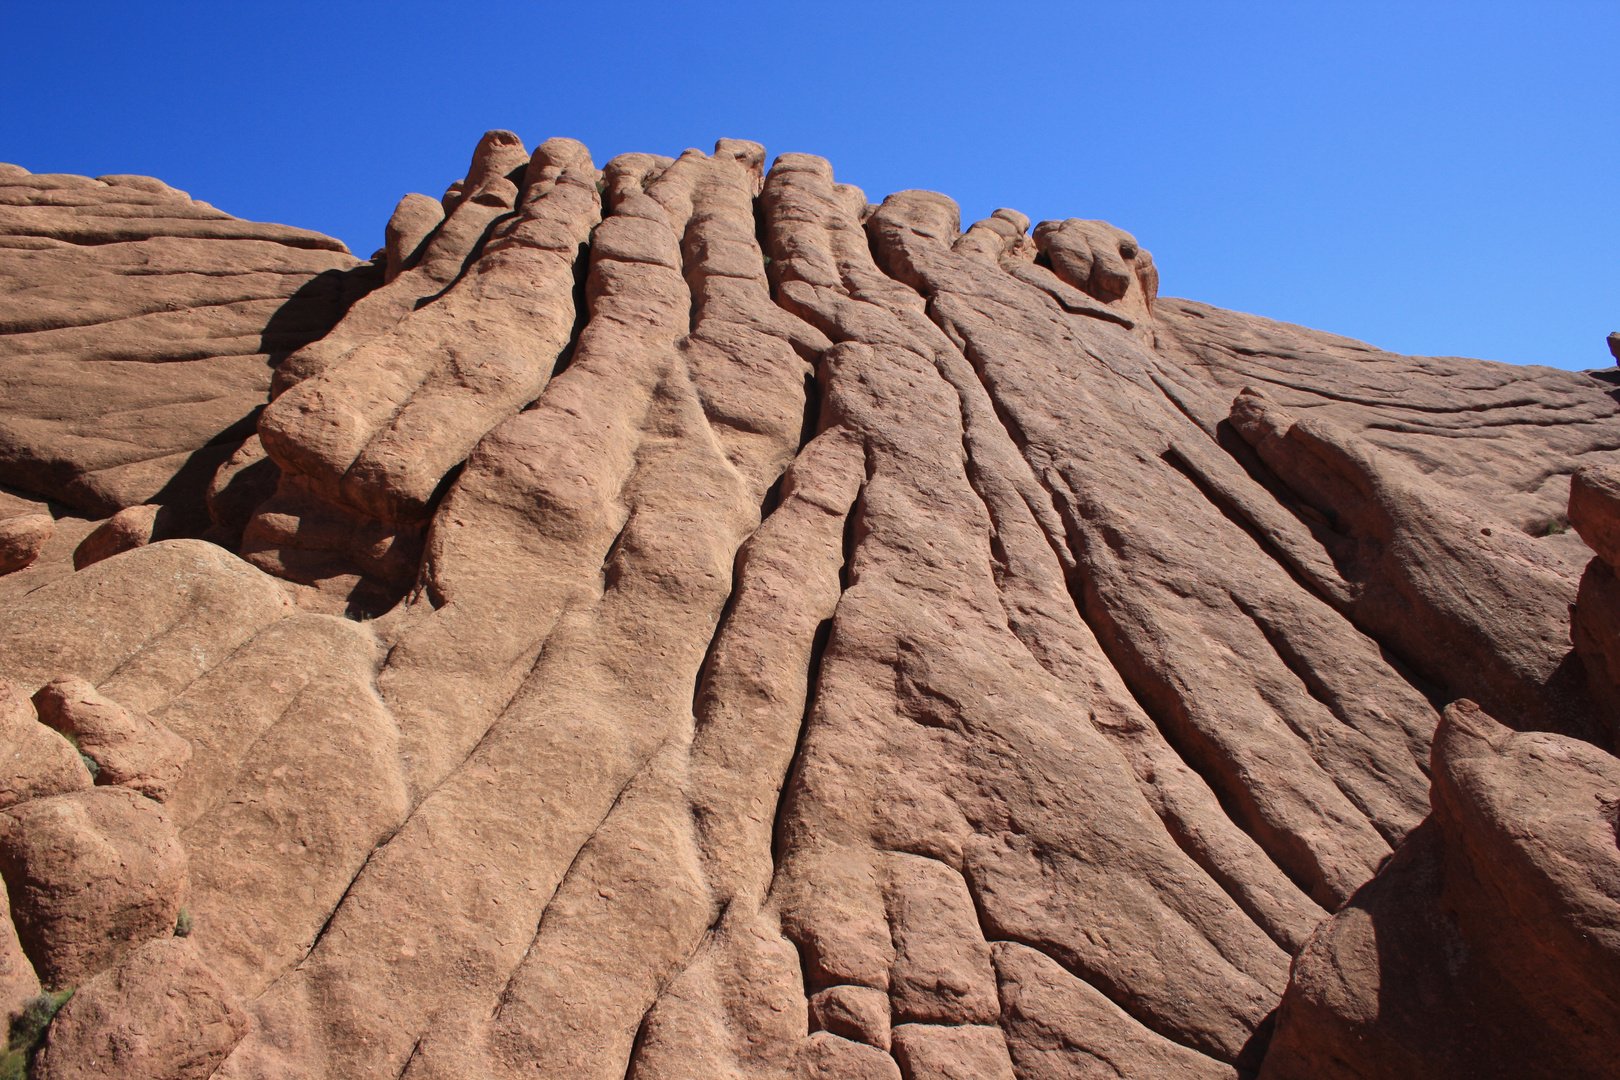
1431, 177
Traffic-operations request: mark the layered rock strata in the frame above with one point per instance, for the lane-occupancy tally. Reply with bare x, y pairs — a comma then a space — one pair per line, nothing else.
681, 620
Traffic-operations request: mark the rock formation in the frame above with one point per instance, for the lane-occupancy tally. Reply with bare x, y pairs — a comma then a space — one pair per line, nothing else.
682, 620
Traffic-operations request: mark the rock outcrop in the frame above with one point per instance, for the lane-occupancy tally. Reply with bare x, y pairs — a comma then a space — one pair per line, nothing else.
1490, 944
682, 620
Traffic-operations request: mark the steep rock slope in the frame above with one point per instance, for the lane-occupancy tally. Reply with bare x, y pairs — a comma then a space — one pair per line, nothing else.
683, 620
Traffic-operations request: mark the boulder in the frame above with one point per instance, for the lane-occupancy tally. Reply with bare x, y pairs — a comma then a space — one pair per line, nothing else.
129, 750
92, 875
158, 1014
1594, 509
1490, 944
37, 762
25, 528
130, 528
18, 983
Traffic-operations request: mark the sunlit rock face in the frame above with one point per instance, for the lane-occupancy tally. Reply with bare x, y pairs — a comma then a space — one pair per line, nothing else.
684, 620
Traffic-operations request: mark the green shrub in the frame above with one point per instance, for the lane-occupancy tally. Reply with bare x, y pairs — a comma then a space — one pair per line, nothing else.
28, 1030
182, 926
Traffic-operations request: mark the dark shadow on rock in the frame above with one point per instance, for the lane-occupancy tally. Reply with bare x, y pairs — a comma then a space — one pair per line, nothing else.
310, 313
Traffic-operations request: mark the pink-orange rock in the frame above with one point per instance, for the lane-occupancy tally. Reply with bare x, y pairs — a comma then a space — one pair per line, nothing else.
1594, 509
36, 761
25, 529
129, 749
92, 876
141, 626
246, 480
1490, 944
18, 983
1106, 264
130, 528
1059, 1028
698, 623
158, 1014
54, 555
926, 1052
1464, 595
853, 1012
137, 333
829, 1057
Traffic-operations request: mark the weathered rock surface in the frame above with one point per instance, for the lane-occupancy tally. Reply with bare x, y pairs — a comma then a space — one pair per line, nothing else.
129, 750
25, 528
92, 876
160, 1014
682, 620
38, 761
130, 528
1490, 945
138, 330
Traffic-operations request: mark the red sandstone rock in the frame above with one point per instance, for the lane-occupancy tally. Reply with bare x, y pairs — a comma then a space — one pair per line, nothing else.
246, 481
129, 750
159, 1014
1594, 509
1106, 264
25, 528
37, 762
137, 331
18, 983
1489, 945
92, 876
744, 631
1059, 1028
130, 528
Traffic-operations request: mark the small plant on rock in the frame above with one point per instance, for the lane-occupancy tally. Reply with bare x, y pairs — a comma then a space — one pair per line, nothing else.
28, 1031
182, 923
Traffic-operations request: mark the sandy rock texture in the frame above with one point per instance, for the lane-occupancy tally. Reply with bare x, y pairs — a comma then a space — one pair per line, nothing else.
1490, 944
675, 618
138, 333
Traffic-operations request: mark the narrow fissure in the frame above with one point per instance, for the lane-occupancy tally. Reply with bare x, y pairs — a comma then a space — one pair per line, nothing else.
1079, 586
416, 1048
1173, 458
582, 309
658, 995
1102, 986
504, 996
1077, 583
471, 260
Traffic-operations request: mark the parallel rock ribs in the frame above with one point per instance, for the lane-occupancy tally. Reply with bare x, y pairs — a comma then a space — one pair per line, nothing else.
693, 623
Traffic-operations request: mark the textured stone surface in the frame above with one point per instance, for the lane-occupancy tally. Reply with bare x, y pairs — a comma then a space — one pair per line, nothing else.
130, 528
160, 1014
38, 762
128, 750
683, 620
18, 982
138, 330
25, 528
92, 876
1490, 945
